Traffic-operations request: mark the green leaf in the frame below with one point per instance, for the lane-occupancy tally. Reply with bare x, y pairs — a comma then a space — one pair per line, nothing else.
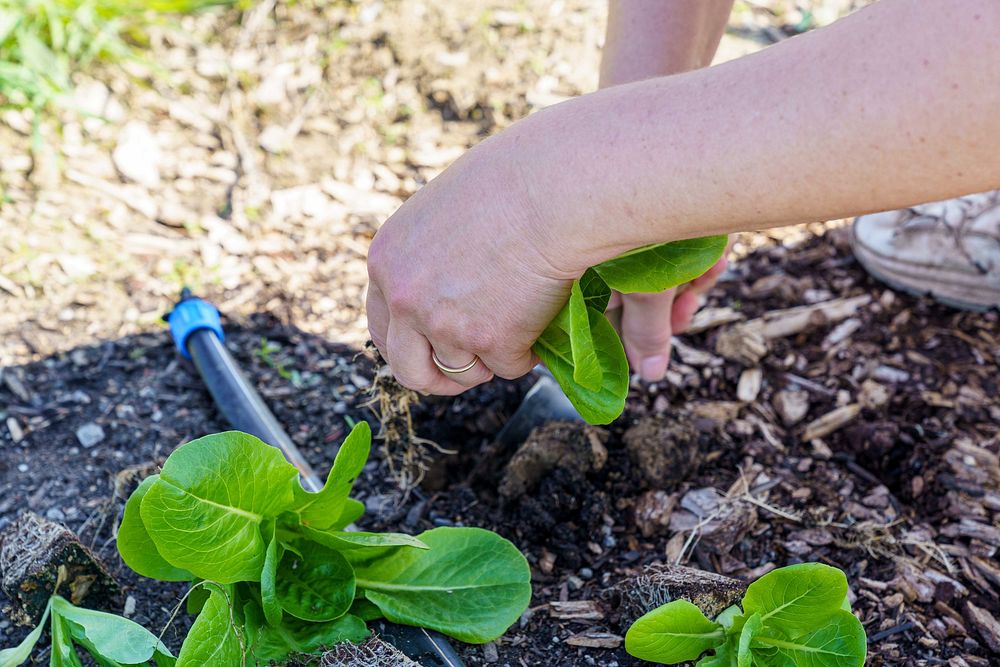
352, 511
471, 584
673, 633
596, 292
554, 348
659, 267
213, 639
323, 509
137, 548
727, 617
366, 610
314, 584
205, 510
586, 367
110, 637
751, 628
839, 642
62, 652
797, 598
724, 656
197, 596
275, 643
17, 655
268, 577
357, 539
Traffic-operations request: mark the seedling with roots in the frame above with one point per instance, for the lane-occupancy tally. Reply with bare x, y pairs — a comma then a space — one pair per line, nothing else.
796, 616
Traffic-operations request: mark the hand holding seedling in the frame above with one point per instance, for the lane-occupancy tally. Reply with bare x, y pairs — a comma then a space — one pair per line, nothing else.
480, 262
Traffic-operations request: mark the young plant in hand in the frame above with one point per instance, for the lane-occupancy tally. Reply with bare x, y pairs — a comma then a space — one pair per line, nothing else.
580, 346
796, 616
275, 572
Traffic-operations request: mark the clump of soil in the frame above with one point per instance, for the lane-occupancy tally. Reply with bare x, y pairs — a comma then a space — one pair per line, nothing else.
656, 585
568, 445
666, 448
37, 556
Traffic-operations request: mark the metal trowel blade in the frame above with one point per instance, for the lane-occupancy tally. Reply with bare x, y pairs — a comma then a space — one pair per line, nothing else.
544, 402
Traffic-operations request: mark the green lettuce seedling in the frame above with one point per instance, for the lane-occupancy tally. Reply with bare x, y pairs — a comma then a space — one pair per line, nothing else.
796, 616
580, 346
109, 639
275, 572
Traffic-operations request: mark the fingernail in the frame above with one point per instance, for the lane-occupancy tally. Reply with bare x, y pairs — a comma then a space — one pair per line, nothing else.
653, 368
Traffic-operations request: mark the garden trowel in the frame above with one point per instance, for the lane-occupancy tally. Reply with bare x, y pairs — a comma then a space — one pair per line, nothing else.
544, 402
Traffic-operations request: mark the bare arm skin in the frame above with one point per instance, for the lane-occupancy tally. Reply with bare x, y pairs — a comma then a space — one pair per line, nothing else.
894, 105
650, 38
646, 39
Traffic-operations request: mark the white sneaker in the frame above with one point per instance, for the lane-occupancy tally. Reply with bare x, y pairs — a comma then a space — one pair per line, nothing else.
949, 250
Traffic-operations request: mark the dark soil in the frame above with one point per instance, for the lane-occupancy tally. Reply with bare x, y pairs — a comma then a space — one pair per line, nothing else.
905, 497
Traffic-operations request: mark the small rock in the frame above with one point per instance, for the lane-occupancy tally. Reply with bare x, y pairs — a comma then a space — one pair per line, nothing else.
55, 514
90, 435
791, 406
129, 608
873, 395
137, 155
490, 653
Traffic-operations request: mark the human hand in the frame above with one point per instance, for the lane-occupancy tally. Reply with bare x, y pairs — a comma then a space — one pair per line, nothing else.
465, 268
648, 322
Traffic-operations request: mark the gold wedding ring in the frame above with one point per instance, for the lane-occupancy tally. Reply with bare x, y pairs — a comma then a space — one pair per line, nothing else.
453, 371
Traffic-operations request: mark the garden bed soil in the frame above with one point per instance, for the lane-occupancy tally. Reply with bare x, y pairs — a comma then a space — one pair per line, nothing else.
904, 495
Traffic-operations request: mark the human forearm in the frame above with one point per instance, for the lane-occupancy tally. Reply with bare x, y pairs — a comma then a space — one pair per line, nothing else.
650, 38
894, 105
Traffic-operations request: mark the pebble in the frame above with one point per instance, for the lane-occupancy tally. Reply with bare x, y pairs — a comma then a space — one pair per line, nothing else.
55, 514
586, 572
90, 435
490, 653
22, 467
129, 608
137, 155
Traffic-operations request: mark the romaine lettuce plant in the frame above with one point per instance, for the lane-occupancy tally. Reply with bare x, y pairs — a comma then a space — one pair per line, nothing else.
796, 616
580, 346
109, 639
274, 571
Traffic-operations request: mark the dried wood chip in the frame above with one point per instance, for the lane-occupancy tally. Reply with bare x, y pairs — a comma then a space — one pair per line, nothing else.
790, 321
986, 624
710, 318
652, 512
581, 610
744, 343
830, 422
595, 639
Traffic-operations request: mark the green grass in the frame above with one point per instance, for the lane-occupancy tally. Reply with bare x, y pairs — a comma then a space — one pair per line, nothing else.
43, 42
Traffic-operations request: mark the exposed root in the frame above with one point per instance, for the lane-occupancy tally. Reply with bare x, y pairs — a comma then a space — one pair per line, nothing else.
407, 454
372, 653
